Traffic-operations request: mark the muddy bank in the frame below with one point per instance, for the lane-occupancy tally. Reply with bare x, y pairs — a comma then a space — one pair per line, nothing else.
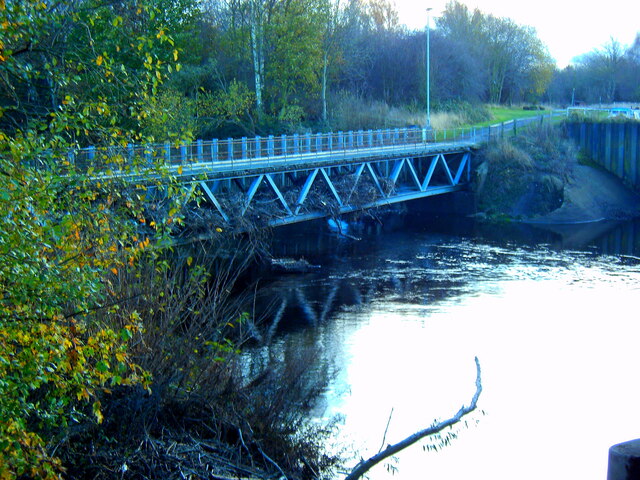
592, 195
536, 178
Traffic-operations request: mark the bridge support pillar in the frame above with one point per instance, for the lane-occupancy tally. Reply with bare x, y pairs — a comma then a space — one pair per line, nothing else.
258, 147
296, 143
214, 150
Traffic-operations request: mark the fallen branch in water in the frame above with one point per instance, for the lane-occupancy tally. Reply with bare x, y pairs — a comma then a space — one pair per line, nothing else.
365, 465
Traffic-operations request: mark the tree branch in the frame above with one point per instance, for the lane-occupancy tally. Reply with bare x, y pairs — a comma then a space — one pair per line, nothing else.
365, 465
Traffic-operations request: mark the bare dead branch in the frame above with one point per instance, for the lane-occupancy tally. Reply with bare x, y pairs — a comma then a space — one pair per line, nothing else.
365, 465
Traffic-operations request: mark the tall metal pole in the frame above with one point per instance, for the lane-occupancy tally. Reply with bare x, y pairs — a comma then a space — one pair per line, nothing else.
428, 69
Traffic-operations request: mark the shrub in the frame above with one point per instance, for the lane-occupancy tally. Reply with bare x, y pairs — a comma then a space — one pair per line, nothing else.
525, 175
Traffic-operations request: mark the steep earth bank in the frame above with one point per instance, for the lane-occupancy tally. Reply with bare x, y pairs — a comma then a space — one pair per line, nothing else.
536, 178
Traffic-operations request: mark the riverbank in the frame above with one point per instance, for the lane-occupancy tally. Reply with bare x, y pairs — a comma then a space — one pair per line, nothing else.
592, 195
537, 178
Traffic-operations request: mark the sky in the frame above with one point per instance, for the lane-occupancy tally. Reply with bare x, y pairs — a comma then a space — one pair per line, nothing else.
568, 28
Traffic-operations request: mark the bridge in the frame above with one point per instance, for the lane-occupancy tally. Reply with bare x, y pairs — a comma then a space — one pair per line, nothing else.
271, 181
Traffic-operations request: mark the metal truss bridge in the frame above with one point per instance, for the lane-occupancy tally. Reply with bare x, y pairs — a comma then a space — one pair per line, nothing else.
271, 181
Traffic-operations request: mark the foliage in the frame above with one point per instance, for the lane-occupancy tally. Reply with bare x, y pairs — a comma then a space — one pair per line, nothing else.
228, 106
525, 175
203, 397
70, 73
605, 75
471, 113
512, 63
174, 116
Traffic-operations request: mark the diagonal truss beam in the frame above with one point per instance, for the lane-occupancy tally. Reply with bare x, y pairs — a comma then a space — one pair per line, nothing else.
412, 170
208, 192
331, 187
466, 159
432, 167
446, 170
375, 179
278, 193
306, 188
397, 168
357, 174
251, 192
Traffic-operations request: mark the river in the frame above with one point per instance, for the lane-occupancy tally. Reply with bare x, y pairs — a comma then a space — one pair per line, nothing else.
387, 329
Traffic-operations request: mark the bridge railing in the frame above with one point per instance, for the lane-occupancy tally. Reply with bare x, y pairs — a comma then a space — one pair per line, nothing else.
245, 149
499, 130
262, 150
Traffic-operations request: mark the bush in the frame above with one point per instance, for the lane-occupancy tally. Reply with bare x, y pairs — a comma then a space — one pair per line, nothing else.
525, 175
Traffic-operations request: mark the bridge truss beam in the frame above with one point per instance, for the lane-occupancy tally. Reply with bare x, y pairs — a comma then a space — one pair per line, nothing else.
298, 194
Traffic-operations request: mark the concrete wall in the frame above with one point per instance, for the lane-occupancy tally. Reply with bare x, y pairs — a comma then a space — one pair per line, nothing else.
614, 146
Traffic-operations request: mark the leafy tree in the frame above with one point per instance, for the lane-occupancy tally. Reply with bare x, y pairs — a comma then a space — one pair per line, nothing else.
295, 53
514, 62
66, 234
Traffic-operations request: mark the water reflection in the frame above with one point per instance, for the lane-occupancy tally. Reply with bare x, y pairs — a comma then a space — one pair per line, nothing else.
394, 322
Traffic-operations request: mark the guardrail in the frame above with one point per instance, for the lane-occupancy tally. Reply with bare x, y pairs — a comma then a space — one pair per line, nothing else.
286, 149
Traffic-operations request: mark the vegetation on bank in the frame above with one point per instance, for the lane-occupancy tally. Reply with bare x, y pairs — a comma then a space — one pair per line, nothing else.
117, 360
524, 175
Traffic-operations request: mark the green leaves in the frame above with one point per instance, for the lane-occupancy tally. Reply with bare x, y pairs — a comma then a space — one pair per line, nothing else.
62, 234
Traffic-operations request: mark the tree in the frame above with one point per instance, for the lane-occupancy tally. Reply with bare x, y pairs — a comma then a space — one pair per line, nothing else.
607, 74
295, 54
65, 236
514, 63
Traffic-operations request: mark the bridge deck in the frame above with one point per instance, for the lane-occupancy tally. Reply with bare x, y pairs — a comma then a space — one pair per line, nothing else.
306, 177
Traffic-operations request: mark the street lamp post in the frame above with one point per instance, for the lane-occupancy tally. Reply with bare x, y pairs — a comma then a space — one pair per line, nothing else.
428, 69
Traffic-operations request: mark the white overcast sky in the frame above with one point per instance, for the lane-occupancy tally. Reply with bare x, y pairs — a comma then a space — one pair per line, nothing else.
568, 27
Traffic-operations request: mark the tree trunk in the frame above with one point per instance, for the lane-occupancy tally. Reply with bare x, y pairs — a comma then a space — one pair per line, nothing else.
324, 87
257, 51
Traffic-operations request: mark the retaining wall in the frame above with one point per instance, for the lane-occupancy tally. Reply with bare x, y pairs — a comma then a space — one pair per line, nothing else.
614, 146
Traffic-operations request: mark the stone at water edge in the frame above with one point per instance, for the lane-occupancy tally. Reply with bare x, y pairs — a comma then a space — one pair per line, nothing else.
624, 461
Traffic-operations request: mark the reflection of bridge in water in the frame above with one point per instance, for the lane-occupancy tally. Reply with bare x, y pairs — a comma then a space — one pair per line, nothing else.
300, 301
412, 273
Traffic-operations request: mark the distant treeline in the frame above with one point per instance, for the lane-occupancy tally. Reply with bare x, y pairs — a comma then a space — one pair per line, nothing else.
258, 66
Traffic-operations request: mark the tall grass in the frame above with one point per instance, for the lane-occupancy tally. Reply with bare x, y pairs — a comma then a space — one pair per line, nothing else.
354, 113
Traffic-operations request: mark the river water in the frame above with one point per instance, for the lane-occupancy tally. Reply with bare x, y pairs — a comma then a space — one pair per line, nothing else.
387, 329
